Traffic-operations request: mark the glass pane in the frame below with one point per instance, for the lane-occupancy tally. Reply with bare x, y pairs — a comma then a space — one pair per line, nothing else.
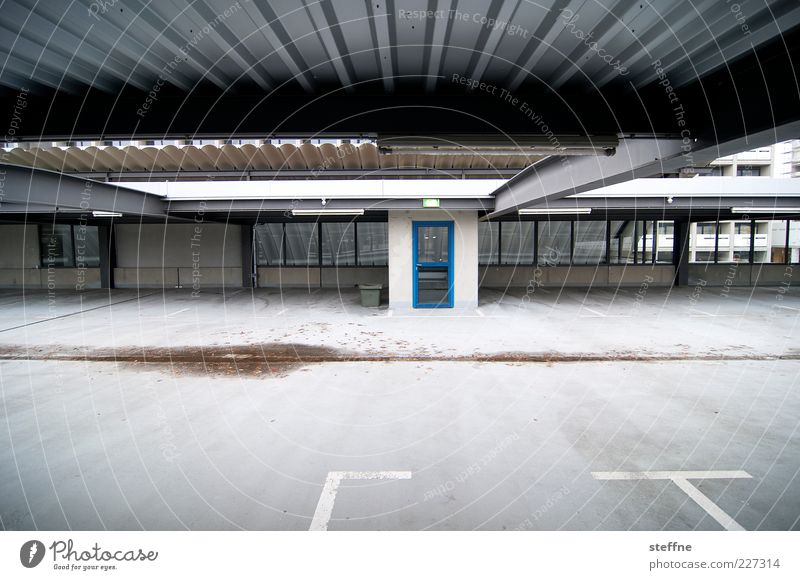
516, 243
269, 241
373, 244
432, 285
55, 246
664, 241
554, 241
702, 241
590, 242
301, 244
794, 241
644, 233
770, 242
87, 246
487, 243
338, 244
432, 244
621, 251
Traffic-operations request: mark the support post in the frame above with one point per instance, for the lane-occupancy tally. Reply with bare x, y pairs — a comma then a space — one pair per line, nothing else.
680, 252
248, 278
108, 255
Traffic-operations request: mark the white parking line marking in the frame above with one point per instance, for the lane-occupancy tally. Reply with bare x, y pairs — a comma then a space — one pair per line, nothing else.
618, 475
680, 478
709, 506
322, 515
594, 312
176, 312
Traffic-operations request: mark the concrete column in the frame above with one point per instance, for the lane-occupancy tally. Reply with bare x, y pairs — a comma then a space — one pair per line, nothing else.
248, 280
680, 252
465, 255
108, 255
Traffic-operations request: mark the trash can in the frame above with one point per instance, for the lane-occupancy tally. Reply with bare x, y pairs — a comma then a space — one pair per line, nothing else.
370, 295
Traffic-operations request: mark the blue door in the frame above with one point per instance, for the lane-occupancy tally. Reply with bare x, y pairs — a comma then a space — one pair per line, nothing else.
433, 264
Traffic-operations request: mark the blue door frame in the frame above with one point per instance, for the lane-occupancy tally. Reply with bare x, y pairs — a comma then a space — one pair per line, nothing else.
418, 266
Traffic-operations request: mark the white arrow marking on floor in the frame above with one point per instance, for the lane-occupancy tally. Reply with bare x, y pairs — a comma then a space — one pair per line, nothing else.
322, 515
680, 478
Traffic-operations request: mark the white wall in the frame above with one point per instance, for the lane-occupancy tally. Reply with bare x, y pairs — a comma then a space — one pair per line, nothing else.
465, 256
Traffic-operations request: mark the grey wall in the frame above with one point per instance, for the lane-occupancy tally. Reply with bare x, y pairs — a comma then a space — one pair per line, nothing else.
742, 274
178, 256
20, 263
315, 277
583, 276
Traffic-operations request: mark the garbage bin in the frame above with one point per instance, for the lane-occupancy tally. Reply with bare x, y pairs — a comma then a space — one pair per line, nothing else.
370, 295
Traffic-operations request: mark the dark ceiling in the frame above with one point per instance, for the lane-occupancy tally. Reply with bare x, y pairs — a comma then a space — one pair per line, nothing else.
258, 67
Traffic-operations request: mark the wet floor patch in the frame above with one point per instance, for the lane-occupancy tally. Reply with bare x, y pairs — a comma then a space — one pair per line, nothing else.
281, 358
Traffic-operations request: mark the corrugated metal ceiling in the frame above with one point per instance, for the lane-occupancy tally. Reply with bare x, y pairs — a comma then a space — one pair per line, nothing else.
311, 45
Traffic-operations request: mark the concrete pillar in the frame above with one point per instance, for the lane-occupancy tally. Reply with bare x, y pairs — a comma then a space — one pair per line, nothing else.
402, 263
680, 252
108, 255
248, 280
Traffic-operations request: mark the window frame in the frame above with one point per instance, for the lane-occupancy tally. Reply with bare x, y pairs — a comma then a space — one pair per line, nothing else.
319, 225
75, 265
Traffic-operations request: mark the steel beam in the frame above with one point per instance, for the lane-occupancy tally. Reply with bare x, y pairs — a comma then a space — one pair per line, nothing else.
36, 187
559, 177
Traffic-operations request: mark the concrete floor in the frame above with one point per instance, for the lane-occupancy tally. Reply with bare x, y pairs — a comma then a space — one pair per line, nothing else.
90, 444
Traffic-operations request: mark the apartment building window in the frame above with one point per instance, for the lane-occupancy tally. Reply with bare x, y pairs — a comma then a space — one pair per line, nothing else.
664, 241
69, 246
748, 171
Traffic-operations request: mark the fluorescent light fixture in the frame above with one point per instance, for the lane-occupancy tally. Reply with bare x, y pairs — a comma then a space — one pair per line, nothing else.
555, 211
327, 212
765, 209
99, 213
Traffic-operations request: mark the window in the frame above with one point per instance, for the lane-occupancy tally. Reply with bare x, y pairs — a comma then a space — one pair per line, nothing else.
621, 234
707, 228
703, 256
487, 243
748, 171
770, 242
666, 228
554, 242
67, 246
338, 244
646, 241
87, 246
298, 244
301, 244
269, 244
664, 242
743, 228
590, 242
373, 243
794, 241
516, 243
